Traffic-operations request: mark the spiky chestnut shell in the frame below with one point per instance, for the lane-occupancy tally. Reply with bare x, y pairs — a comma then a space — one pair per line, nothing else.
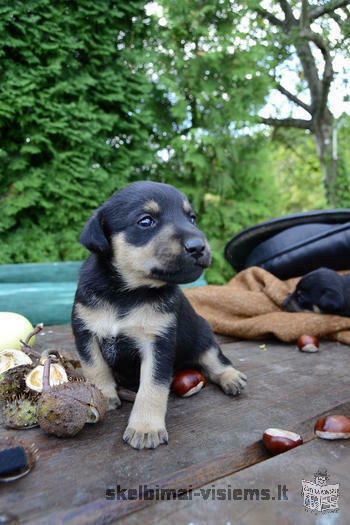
88, 395
34, 379
10, 358
65, 408
13, 384
19, 413
61, 415
97, 404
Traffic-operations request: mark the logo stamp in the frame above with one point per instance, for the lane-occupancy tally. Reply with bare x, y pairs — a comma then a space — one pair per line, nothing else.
319, 496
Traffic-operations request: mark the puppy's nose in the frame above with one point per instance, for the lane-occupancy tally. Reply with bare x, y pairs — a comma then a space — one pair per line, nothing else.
194, 247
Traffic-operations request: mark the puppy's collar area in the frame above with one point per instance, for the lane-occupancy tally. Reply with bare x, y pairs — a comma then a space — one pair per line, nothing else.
137, 282
114, 280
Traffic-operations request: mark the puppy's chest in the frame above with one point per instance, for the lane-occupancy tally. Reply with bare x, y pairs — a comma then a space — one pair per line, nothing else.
143, 322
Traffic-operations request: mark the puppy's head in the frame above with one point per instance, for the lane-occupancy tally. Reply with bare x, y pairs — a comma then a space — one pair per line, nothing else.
320, 291
148, 231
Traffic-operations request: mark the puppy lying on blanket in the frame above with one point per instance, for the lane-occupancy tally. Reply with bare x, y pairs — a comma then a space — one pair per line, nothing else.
130, 319
321, 291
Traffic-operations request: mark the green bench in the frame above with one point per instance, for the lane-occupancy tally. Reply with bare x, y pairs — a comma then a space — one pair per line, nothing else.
43, 292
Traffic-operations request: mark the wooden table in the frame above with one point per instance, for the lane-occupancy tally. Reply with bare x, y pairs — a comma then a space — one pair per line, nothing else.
214, 443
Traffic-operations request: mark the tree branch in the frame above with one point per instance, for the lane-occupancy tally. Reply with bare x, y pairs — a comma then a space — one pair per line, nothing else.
309, 68
304, 15
287, 10
328, 8
287, 122
294, 98
328, 72
269, 16
317, 39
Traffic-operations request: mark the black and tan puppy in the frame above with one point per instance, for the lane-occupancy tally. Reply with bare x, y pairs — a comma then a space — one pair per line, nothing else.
132, 323
321, 291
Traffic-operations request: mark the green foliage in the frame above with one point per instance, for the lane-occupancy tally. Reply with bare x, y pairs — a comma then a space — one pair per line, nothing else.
342, 188
74, 121
297, 172
206, 77
251, 197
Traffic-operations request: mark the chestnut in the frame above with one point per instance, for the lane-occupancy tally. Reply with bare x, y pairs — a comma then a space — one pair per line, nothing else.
308, 343
333, 427
277, 440
187, 382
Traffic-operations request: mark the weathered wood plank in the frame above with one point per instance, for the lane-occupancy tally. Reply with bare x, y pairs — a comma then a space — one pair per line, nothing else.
288, 469
285, 388
183, 481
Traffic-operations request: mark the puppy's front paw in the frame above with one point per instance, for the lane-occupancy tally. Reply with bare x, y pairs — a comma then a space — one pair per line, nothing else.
113, 402
111, 397
232, 381
145, 436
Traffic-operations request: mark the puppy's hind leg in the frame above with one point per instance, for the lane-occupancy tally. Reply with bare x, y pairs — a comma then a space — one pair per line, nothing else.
220, 370
214, 363
95, 368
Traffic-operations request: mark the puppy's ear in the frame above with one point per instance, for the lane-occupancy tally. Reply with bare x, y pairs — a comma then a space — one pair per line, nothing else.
93, 236
332, 301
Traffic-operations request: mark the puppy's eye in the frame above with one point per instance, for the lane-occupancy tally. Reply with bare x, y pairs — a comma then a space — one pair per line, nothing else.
193, 218
146, 222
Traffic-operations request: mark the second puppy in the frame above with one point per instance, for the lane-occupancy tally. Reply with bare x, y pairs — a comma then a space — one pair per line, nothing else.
321, 291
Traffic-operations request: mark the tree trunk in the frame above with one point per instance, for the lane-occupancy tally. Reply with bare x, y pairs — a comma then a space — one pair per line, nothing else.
323, 134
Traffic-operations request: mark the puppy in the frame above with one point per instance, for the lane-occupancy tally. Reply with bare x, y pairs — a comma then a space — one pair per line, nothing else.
321, 291
131, 322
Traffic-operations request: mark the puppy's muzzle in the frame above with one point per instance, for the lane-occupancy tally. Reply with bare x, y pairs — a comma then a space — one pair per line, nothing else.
290, 304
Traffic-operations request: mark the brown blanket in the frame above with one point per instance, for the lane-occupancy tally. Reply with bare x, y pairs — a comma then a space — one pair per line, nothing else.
250, 307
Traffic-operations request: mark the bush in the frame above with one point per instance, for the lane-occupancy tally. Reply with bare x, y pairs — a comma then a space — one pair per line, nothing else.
74, 121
